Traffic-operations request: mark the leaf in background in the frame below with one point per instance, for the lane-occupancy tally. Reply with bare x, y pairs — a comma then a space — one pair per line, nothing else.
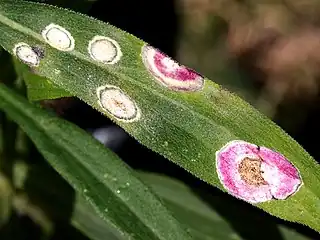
86, 221
38, 87
185, 127
96, 173
202, 221
203, 218
47, 190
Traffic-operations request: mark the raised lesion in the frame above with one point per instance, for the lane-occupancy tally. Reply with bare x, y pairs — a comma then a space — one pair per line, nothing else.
120, 105
250, 171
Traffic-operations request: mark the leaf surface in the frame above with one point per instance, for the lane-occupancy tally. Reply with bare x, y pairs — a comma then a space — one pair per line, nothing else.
185, 127
38, 87
212, 216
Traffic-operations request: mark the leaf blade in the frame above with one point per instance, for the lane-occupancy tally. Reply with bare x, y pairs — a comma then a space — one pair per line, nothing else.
212, 216
39, 88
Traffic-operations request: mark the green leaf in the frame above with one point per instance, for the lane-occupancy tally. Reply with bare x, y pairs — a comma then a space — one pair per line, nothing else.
212, 216
185, 127
202, 221
47, 191
38, 87
96, 173
87, 222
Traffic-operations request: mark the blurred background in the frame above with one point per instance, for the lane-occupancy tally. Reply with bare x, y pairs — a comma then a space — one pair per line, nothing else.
268, 52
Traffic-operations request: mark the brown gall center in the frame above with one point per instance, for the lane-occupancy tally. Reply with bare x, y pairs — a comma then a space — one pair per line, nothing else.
119, 104
250, 172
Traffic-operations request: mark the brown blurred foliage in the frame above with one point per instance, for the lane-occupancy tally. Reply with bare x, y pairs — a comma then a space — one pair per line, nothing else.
277, 44
288, 55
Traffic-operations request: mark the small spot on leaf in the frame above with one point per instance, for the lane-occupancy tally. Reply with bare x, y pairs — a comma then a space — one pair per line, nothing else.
104, 49
58, 37
113, 100
26, 54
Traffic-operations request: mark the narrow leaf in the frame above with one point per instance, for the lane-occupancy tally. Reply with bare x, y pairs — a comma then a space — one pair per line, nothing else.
202, 221
167, 107
97, 174
46, 190
38, 87
87, 222
211, 216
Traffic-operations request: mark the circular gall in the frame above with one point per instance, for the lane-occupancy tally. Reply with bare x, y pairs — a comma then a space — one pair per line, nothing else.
58, 37
114, 101
104, 49
26, 54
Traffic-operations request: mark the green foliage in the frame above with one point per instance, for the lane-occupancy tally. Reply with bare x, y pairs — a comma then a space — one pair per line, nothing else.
187, 128
207, 222
206, 215
106, 183
39, 88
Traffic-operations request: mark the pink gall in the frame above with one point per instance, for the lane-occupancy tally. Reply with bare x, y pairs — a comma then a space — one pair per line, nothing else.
170, 73
256, 174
